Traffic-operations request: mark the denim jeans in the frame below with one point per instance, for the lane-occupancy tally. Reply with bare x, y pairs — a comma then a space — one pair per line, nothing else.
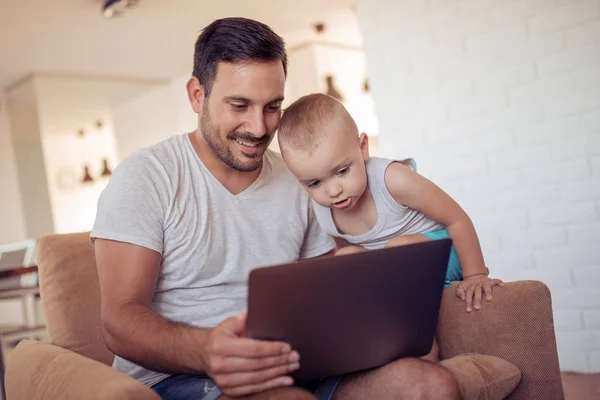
201, 387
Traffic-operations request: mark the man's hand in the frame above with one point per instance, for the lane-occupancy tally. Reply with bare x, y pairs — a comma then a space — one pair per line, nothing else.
241, 366
472, 289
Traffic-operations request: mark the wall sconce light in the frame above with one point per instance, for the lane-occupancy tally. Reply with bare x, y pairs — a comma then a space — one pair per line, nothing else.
87, 177
319, 27
106, 171
331, 89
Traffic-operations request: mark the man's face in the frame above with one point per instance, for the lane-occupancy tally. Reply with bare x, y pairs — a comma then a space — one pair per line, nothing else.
241, 114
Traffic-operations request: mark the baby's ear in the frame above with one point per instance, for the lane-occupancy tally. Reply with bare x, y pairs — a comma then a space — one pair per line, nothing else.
363, 141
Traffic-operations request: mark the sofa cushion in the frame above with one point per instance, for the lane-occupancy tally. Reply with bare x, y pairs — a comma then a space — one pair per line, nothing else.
483, 377
71, 294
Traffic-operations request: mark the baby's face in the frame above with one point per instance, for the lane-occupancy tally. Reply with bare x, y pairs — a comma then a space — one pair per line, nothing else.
333, 173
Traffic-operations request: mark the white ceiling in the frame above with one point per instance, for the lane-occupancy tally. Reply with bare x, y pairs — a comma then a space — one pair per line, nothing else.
154, 40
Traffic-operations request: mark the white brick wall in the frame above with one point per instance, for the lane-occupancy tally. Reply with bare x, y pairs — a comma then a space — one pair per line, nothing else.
557, 18
591, 319
568, 320
584, 34
499, 101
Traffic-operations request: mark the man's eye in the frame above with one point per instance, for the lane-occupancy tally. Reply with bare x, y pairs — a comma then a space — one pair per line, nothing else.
274, 108
314, 184
238, 106
343, 171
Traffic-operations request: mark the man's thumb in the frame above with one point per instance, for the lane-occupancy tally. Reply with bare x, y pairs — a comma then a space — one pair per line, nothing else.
235, 326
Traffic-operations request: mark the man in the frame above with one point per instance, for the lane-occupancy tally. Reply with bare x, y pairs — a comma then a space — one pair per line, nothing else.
182, 223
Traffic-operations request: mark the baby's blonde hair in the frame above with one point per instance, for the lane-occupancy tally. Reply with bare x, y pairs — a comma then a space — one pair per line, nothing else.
307, 120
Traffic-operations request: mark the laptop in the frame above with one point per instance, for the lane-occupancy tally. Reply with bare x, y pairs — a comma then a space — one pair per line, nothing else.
354, 312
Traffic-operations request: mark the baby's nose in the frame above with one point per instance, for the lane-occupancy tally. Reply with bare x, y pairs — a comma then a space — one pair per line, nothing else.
335, 190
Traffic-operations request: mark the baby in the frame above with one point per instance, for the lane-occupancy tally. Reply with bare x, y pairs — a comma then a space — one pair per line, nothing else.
373, 202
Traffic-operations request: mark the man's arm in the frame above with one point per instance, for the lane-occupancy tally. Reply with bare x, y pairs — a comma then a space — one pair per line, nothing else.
128, 275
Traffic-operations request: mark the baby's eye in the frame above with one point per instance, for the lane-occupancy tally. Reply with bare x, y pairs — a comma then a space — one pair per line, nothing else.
343, 171
313, 184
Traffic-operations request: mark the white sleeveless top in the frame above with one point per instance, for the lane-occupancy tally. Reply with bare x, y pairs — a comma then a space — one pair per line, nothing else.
393, 219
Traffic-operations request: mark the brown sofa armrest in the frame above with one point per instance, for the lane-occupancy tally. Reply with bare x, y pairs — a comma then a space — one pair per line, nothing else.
516, 326
39, 371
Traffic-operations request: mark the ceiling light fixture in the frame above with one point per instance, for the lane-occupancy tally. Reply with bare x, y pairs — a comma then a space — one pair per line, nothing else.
113, 8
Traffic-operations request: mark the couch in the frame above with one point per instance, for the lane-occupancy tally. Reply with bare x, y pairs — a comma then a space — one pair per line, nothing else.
517, 327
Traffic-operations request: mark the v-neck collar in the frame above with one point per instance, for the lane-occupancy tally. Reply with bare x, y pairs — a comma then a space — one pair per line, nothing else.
261, 176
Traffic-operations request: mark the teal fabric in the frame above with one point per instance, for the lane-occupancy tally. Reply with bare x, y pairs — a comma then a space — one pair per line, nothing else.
454, 271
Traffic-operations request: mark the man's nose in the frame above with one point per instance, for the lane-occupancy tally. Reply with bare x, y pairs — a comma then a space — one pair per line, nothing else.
256, 123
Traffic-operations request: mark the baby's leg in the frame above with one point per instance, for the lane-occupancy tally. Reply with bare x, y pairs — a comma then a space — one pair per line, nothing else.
350, 250
407, 239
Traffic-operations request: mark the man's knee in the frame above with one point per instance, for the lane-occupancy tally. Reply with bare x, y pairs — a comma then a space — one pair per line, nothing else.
429, 380
438, 383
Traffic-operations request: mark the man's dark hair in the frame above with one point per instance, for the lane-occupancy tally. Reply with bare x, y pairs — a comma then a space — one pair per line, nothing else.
234, 40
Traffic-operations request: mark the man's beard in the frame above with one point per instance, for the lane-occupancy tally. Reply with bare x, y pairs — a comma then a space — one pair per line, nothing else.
221, 148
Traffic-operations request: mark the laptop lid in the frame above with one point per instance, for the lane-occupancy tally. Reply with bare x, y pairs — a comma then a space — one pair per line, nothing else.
350, 313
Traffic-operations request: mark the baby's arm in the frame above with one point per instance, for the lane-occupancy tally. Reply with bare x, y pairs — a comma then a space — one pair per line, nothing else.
416, 192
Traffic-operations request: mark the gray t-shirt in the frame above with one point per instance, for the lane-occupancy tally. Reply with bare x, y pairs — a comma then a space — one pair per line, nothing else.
165, 199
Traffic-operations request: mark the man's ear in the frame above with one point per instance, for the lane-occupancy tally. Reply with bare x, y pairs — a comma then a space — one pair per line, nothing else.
363, 141
195, 93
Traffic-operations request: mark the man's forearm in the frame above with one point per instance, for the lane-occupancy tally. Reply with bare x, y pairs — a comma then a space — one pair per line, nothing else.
145, 338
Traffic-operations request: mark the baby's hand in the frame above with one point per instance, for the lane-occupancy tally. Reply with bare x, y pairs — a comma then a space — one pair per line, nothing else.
472, 289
